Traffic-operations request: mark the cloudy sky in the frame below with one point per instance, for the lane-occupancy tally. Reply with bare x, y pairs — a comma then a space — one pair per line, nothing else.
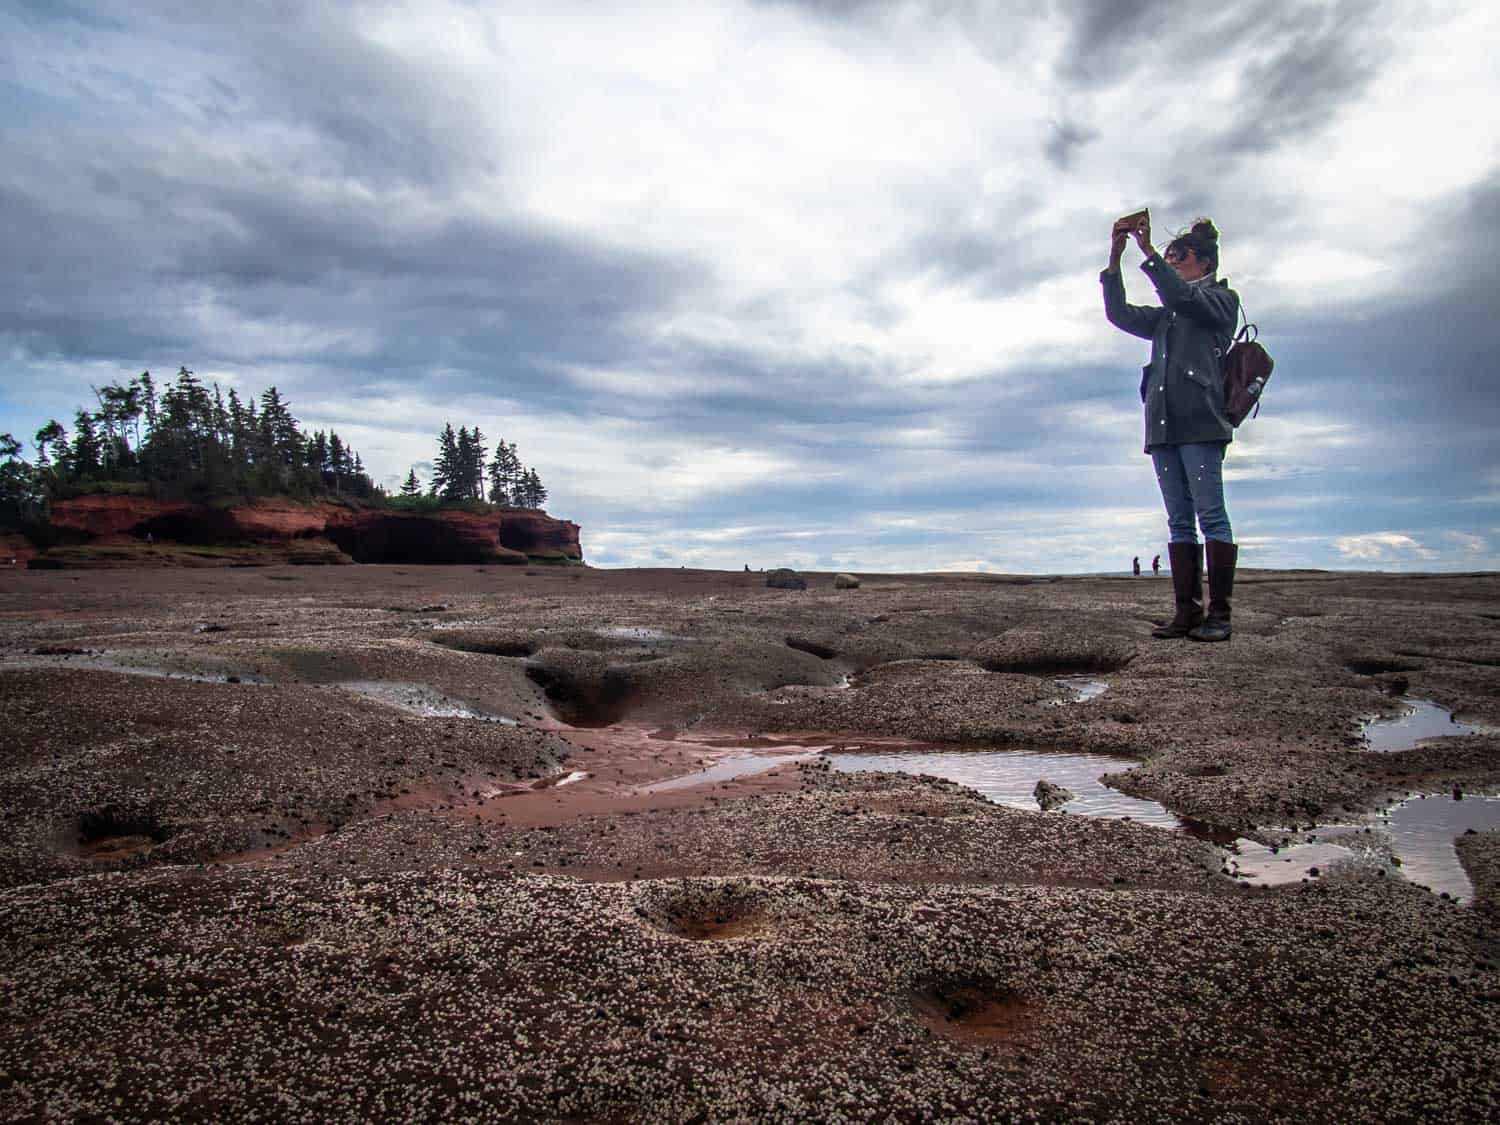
777, 283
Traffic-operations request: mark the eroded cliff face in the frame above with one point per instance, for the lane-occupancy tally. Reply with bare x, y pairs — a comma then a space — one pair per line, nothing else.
286, 531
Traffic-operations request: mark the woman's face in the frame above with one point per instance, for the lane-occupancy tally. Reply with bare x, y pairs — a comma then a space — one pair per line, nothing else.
1185, 262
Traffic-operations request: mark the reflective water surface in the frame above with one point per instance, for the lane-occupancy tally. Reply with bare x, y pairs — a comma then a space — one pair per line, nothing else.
1083, 688
1009, 777
418, 699
1422, 719
1415, 838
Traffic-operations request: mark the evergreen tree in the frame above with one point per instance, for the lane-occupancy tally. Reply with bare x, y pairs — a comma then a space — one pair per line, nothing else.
412, 487
52, 446
336, 461
281, 441
220, 420
474, 467
530, 492
317, 455
148, 402
20, 489
465, 461
445, 466
111, 426
241, 430
86, 448
505, 470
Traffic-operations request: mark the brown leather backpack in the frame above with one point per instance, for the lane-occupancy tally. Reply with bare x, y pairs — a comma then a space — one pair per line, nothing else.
1246, 367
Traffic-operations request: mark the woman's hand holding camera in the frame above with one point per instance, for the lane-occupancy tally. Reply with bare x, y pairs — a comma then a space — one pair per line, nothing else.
1142, 234
1138, 226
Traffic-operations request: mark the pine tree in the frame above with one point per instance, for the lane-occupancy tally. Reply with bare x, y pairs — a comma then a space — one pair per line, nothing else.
445, 465
505, 470
336, 460
281, 441
241, 429
20, 488
85, 458
474, 468
530, 492
52, 445
459, 489
412, 487
148, 402
317, 455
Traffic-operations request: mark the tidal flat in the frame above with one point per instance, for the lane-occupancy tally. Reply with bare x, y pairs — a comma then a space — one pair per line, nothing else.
375, 842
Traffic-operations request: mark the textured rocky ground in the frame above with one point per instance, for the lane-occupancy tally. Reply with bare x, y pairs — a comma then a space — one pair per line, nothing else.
334, 874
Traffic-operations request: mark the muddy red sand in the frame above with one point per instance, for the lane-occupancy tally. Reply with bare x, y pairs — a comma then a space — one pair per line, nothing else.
279, 889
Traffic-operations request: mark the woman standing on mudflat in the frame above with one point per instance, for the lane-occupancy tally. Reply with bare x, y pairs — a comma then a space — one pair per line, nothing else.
1186, 428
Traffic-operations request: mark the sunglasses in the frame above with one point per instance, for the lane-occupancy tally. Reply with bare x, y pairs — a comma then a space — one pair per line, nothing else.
1176, 254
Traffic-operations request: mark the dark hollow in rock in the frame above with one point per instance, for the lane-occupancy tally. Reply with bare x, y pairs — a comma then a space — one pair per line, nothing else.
1059, 665
971, 1010
585, 703
1205, 771
116, 831
812, 648
486, 644
1039, 652
121, 820
1375, 665
712, 912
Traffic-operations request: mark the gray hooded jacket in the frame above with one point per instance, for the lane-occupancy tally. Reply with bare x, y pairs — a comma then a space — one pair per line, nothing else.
1182, 386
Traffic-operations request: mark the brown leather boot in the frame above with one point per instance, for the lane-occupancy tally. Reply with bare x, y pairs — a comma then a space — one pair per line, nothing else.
1221, 562
1187, 591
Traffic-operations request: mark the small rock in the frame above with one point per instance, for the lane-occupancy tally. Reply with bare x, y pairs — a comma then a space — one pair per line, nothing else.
845, 582
1049, 796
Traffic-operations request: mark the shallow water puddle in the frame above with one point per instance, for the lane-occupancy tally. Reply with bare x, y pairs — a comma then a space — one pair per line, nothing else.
1422, 719
733, 765
1415, 838
418, 699
642, 633
1009, 777
1083, 688
1423, 830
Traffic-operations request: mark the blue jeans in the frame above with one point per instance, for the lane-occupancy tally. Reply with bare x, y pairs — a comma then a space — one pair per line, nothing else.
1192, 485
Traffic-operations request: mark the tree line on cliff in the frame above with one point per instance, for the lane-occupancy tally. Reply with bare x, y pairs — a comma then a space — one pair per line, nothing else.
184, 439
460, 472
188, 439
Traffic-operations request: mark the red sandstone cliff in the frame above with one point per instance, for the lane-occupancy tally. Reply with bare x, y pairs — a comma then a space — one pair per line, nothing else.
328, 531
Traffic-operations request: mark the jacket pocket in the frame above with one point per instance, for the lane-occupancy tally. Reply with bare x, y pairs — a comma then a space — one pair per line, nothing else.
1200, 376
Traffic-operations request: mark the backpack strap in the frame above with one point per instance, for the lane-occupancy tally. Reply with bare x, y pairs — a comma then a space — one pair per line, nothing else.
1249, 332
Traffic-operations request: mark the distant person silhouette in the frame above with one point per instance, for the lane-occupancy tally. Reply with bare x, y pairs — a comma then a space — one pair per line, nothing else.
1135, 566
1156, 566
1186, 430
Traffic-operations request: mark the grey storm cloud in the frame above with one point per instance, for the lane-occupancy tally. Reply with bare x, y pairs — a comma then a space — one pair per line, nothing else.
831, 277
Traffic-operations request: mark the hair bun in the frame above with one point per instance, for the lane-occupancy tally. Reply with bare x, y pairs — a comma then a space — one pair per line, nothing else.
1205, 229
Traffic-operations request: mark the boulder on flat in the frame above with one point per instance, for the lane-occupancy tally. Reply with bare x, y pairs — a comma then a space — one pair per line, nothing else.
1049, 796
845, 582
784, 579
